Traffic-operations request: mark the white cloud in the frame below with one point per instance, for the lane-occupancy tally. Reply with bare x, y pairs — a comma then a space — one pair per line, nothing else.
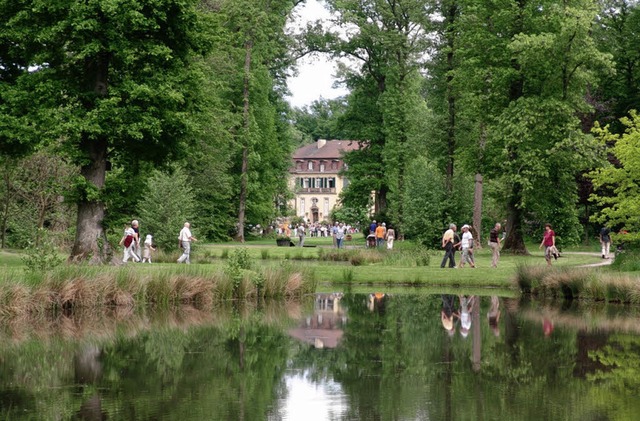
315, 77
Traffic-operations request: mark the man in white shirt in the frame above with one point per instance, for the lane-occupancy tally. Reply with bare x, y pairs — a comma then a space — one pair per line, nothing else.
185, 238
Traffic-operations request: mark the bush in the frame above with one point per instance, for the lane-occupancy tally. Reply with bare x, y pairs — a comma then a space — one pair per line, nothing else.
41, 255
168, 202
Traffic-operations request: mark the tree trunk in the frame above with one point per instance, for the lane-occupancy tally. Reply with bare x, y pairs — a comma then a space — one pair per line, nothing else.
514, 242
245, 147
452, 13
477, 212
91, 242
6, 204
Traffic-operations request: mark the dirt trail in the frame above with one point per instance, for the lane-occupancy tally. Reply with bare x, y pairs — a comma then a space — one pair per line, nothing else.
605, 262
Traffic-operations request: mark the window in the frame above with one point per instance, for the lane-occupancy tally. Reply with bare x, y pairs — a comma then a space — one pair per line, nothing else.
326, 206
310, 166
305, 183
332, 183
302, 207
321, 167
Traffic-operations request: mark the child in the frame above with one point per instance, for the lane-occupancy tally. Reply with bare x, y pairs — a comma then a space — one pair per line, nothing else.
148, 248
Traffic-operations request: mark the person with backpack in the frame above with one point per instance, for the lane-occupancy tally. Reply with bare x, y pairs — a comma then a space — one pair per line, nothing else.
605, 241
128, 241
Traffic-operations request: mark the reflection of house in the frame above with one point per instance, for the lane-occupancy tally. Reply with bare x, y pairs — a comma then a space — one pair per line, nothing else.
323, 329
315, 177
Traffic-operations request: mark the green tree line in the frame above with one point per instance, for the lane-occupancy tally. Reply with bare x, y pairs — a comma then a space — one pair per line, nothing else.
468, 110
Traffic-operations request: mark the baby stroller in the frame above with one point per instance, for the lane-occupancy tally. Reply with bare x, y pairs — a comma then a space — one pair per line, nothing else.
371, 241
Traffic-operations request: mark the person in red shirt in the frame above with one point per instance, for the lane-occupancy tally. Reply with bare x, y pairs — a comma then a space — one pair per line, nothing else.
549, 242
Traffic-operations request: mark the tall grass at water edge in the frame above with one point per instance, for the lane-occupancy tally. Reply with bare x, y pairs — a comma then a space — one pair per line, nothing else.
88, 286
578, 283
358, 257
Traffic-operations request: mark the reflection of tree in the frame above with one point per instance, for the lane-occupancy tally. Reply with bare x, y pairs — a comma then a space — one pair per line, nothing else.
617, 384
165, 372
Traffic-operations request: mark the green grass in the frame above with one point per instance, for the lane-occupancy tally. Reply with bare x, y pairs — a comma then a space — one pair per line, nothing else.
388, 269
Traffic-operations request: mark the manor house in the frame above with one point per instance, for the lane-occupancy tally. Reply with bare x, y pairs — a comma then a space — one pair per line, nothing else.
315, 177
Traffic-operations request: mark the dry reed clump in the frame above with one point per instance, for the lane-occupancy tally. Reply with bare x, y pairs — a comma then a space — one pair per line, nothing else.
582, 283
15, 301
76, 287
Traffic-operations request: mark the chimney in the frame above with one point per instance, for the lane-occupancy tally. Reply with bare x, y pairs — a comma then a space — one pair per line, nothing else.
321, 143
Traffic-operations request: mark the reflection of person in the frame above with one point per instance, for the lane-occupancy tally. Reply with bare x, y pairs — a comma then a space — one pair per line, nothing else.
605, 241
447, 314
466, 244
390, 235
547, 326
549, 242
448, 245
493, 315
185, 238
494, 243
466, 306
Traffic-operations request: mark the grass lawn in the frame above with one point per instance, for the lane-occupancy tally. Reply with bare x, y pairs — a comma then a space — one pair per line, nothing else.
385, 272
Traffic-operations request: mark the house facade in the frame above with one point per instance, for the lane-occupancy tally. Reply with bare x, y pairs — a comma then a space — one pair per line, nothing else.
315, 178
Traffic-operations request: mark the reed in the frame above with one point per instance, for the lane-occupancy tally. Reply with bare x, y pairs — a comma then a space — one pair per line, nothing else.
71, 287
578, 283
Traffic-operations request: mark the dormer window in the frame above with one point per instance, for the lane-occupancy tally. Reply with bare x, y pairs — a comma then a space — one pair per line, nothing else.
310, 166
321, 167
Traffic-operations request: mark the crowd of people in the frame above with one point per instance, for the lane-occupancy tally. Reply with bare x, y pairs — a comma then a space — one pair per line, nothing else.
451, 242
379, 235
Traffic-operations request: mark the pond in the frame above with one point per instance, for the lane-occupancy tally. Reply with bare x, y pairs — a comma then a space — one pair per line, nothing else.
340, 356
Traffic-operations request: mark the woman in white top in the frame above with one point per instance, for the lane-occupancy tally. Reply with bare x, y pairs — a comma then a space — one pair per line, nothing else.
466, 244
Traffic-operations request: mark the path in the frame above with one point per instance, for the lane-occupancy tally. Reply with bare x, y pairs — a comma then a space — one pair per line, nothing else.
605, 262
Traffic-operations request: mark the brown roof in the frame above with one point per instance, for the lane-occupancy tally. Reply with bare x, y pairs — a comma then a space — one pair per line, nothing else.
333, 149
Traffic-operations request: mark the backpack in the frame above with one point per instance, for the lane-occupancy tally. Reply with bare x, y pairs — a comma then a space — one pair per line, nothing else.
128, 240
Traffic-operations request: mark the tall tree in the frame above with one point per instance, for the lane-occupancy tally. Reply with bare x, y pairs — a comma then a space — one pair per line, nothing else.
540, 60
116, 78
388, 44
257, 43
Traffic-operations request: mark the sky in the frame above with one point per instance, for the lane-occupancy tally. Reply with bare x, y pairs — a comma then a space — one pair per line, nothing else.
315, 78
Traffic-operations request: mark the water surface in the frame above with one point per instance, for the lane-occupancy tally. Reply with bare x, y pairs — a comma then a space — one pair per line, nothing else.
341, 356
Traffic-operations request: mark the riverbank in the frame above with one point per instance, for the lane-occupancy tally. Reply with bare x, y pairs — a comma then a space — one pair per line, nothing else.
584, 283
74, 286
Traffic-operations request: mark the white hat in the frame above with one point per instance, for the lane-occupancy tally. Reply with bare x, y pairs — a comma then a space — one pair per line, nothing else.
465, 226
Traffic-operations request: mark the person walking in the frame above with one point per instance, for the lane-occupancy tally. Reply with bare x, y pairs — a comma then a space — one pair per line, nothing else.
605, 241
549, 243
379, 235
494, 244
466, 245
128, 241
448, 246
390, 236
185, 238
135, 248
301, 234
340, 235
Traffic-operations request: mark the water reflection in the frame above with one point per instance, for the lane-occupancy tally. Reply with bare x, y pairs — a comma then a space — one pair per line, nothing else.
338, 356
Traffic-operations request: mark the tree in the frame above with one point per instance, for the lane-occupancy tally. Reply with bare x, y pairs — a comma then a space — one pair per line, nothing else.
262, 148
387, 41
112, 80
528, 82
617, 187
167, 203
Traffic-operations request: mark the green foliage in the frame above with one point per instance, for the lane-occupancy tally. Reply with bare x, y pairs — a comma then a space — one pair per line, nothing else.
237, 264
166, 204
617, 187
41, 256
424, 202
